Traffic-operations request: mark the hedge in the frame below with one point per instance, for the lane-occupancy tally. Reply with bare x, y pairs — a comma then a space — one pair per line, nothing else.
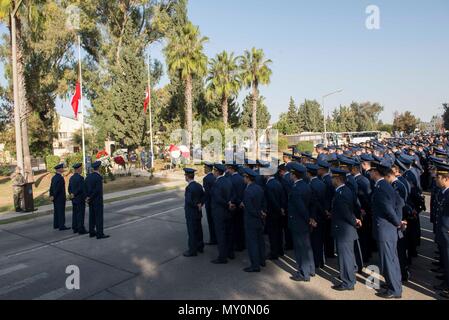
305, 146
52, 161
72, 159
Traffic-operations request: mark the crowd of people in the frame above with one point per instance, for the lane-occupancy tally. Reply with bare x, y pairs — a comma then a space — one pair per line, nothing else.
346, 202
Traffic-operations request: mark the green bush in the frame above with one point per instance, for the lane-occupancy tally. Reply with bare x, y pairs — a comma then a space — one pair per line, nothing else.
282, 144
72, 159
51, 161
5, 171
305, 146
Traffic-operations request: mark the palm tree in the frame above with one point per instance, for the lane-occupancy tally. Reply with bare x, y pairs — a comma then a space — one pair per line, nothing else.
185, 57
255, 71
223, 81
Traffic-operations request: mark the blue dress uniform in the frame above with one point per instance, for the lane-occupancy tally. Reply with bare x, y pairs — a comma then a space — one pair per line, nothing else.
401, 210
317, 208
220, 198
329, 243
77, 188
57, 191
276, 202
254, 203
208, 183
298, 221
287, 184
344, 231
194, 196
237, 226
365, 234
385, 231
442, 227
94, 192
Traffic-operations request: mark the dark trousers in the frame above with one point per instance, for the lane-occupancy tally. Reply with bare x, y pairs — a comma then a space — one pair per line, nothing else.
238, 230
223, 231
402, 255
59, 214
329, 243
389, 266
96, 219
346, 262
444, 252
365, 234
210, 223
317, 239
358, 255
78, 215
195, 234
255, 244
274, 230
287, 234
303, 254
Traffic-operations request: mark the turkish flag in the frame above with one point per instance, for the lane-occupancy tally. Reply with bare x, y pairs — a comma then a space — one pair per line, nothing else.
76, 99
147, 99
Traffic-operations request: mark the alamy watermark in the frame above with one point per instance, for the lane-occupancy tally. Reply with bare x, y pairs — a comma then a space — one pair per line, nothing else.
72, 282
372, 22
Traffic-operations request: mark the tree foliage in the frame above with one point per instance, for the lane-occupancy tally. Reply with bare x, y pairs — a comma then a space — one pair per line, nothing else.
405, 122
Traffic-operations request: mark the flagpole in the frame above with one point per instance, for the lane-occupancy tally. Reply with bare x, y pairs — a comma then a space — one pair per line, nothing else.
82, 106
151, 116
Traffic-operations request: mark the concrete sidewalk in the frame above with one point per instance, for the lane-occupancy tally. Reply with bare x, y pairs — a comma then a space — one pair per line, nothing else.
109, 197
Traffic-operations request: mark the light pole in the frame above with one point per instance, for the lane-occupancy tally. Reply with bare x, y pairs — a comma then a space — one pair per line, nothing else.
324, 113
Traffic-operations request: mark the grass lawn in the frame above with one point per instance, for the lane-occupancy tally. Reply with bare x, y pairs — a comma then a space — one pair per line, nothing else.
42, 185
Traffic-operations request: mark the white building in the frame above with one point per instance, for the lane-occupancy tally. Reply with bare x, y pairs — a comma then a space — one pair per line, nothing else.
63, 144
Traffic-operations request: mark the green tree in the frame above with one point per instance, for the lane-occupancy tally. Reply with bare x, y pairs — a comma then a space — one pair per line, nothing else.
446, 115
405, 122
289, 122
263, 115
255, 72
310, 116
343, 120
366, 115
223, 81
185, 58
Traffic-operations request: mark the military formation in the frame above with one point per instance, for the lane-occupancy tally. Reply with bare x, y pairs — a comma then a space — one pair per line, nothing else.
347, 202
82, 192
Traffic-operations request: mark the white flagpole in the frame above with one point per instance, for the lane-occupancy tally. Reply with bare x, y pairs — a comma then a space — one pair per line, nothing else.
82, 106
151, 115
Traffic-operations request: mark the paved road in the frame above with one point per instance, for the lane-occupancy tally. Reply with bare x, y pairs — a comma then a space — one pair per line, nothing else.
143, 260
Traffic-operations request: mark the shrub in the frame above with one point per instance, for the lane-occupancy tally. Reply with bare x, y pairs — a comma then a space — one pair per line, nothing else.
73, 158
282, 144
5, 171
51, 161
305, 146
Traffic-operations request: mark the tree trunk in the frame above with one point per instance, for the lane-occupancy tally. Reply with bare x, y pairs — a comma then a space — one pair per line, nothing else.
224, 107
189, 111
255, 99
24, 108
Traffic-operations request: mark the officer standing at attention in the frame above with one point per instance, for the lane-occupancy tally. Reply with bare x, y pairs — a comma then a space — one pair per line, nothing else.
237, 226
344, 230
318, 203
194, 199
208, 184
220, 198
254, 206
18, 181
77, 193
385, 229
442, 223
94, 189
58, 197
276, 207
300, 223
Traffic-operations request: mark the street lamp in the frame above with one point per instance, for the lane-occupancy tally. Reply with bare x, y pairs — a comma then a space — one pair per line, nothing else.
324, 113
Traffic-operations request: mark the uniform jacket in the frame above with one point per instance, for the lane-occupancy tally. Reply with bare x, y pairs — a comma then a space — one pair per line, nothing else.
276, 198
94, 188
254, 202
77, 188
318, 200
194, 195
208, 183
57, 188
221, 195
442, 219
238, 188
343, 217
298, 207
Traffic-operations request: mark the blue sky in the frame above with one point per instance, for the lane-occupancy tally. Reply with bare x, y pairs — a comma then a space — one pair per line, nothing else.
320, 46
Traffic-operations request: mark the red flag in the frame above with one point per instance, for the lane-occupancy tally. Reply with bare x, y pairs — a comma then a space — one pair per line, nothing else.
76, 99
147, 99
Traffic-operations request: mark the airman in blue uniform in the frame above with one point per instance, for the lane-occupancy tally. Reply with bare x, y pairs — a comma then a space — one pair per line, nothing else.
94, 192
77, 193
301, 222
220, 204
442, 224
385, 229
193, 207
208, 184
276, 200
237, 225
58, 197
344, 229
255, 214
